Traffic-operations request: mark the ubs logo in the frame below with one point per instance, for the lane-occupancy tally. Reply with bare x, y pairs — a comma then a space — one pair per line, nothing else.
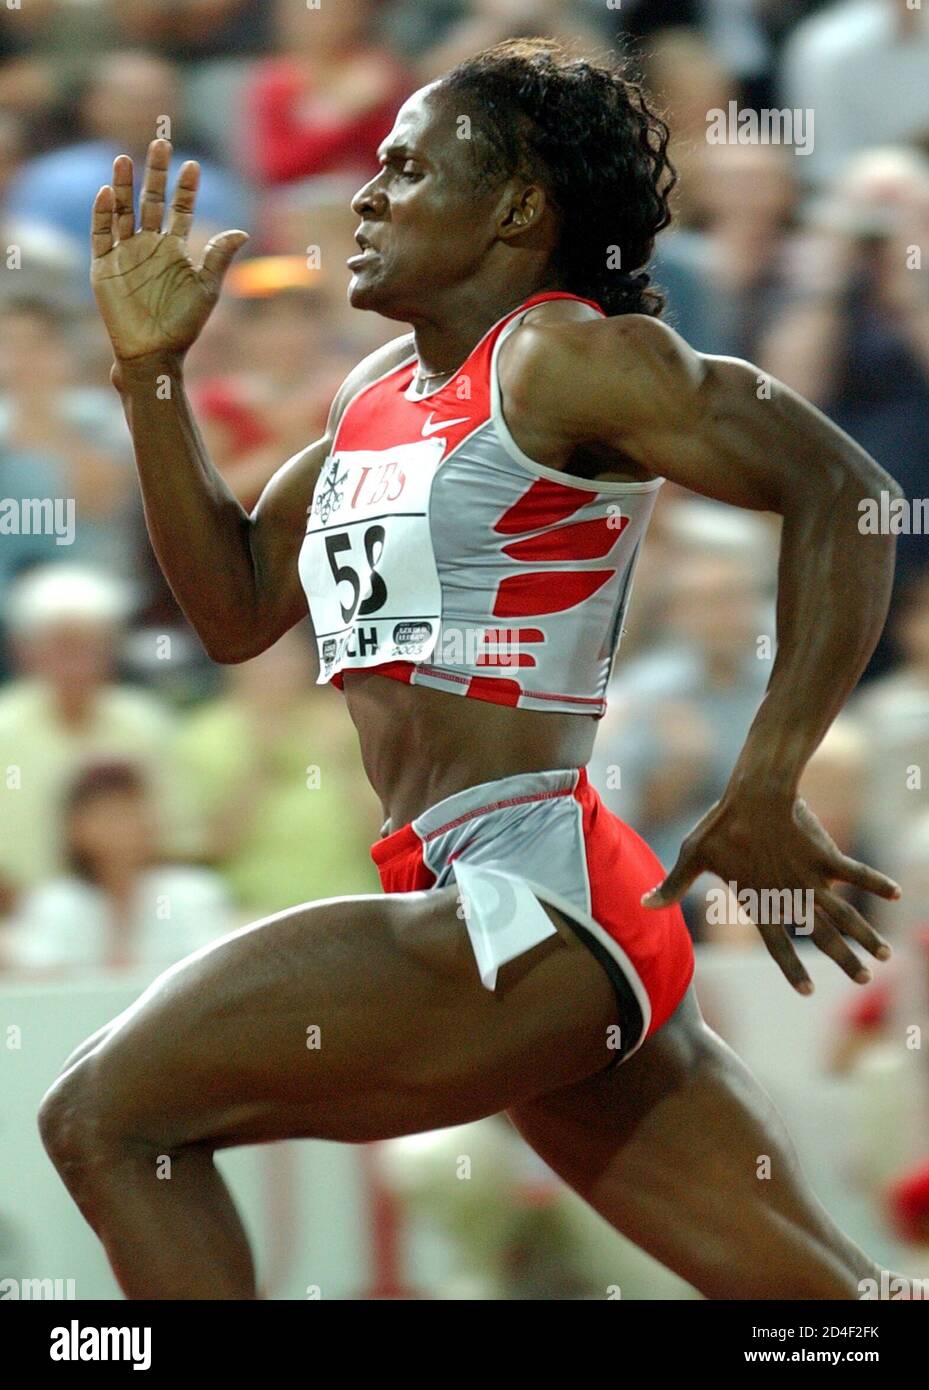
329, 491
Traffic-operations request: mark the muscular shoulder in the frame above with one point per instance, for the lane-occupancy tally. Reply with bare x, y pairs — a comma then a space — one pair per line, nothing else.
574, 373
598, 390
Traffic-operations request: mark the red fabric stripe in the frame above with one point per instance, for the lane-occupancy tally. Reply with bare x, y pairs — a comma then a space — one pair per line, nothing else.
514, 636
585, 540
380, 415
544, 503
598, 705
502, 646
494, 806
546, 591
506, 660
495, 689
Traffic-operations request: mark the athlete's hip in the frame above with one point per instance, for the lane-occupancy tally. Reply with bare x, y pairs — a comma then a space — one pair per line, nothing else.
548, 833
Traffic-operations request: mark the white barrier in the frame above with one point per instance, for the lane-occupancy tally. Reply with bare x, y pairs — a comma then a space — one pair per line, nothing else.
310, 1208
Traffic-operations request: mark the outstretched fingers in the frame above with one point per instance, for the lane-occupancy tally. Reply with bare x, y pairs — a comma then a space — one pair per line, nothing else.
781, 950
829, 940
181, 216
101, 222
152, 205
849, 920
122, 190
834, 921
863, 876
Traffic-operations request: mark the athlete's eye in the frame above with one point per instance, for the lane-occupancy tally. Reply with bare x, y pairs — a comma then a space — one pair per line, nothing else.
408, 170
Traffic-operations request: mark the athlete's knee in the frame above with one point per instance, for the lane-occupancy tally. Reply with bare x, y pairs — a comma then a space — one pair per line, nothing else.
83, 1122
71, 1120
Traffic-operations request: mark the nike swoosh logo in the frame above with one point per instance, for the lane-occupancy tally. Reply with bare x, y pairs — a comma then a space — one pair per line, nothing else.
430, 428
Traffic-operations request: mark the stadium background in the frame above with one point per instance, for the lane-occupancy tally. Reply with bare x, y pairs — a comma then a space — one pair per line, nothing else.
150, 801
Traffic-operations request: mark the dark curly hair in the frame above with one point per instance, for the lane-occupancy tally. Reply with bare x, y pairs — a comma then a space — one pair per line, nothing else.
585, 130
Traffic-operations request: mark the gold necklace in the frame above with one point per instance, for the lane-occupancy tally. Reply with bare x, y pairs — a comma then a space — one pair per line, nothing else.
423, 377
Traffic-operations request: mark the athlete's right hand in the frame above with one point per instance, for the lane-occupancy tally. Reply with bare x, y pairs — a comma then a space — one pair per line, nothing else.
152, 297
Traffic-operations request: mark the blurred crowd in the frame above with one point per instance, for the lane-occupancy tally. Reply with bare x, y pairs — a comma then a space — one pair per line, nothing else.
150, 801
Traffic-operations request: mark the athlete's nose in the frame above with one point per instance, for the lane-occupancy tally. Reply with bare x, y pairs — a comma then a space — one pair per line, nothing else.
370, 201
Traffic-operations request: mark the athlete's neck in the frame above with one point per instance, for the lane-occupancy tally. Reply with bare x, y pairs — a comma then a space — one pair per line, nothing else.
447, 337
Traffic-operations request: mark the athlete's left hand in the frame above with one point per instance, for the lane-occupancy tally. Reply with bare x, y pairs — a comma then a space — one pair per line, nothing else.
769, 849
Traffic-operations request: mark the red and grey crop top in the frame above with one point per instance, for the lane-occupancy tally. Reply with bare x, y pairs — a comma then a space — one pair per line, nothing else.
439, 554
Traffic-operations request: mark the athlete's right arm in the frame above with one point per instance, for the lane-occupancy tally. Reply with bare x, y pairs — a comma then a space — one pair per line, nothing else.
234, 575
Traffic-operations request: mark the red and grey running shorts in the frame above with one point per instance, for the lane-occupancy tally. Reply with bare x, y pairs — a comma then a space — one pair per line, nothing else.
546, 837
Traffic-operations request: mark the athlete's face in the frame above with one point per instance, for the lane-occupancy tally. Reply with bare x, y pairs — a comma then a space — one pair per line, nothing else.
426, 221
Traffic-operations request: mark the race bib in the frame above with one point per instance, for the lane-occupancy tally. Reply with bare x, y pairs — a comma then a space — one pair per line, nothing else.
367, 563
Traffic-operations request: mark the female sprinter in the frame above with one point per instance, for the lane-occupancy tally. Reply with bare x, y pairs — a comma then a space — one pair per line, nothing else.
464, 538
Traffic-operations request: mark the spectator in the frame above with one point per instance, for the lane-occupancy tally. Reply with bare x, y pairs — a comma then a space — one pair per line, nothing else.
65, 708
117, 906
326, 101
63, 440
643, 18
740, 254
277, 778
835, 784
12, 149
861, 68
46, 48
316, 216
688, 80
194, 30
895, 1007
750, 196
689, 306
415, 26
126, 97
745, 33
491, 21
853, 335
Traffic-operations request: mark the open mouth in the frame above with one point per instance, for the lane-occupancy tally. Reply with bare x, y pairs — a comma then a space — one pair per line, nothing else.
362, 258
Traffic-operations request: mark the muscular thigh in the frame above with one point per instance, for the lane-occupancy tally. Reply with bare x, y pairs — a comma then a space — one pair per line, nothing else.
349, 1019
667, 1148
613, 1113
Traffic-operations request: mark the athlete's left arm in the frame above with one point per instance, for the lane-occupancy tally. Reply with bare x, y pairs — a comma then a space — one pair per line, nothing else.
724, 429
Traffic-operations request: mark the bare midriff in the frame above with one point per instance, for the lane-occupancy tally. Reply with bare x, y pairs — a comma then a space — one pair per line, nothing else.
420, 745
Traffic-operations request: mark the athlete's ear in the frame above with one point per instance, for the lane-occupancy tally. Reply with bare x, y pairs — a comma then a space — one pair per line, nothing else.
523, 212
